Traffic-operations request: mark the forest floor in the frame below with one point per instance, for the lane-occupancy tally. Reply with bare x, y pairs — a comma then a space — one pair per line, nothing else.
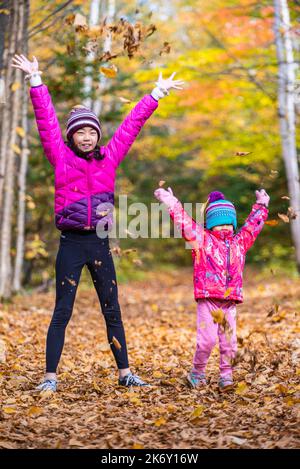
91, 411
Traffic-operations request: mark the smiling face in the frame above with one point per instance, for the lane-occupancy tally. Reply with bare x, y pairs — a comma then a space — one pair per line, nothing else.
222, 227
86, 139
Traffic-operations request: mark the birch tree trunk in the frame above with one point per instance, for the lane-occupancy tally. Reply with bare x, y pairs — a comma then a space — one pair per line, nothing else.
88, 79
11, 140
9, 50
287, 116
103, 81
20, 241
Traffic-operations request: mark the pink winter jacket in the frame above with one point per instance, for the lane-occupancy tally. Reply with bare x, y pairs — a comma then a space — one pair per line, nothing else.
219, 256
81, 185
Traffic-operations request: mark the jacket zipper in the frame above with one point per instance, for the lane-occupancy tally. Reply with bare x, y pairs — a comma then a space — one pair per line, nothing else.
228, 262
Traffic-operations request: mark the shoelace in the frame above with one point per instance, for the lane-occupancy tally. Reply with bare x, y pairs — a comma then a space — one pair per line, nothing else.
133, 379
47, 384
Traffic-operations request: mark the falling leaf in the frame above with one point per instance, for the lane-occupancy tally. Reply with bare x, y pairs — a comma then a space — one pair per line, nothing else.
69, 19
291, 213
116, 343
15, 86
124, 100
20, 131
16, 149
283, 217
161, 183
137, 262
243, 153
218, 315
273, 310
80, 22
166, 49
109, 72
271, 222
129, 251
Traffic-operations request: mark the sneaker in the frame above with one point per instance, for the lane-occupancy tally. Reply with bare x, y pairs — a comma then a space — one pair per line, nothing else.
47, 385
196, 380
132, 380
225, 384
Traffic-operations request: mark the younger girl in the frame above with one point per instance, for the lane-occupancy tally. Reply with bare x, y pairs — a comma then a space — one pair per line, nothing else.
84, 180
219, 258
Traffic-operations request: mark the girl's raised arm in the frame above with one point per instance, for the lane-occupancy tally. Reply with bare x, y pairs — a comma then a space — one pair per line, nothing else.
255, 221
46, 119
190, 230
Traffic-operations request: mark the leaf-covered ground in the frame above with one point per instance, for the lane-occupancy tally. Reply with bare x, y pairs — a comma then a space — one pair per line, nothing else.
91, 411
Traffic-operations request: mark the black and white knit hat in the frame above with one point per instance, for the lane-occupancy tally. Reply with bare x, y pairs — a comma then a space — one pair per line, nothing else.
80, 117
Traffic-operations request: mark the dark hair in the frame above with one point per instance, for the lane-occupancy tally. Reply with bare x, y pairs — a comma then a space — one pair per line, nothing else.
82, 154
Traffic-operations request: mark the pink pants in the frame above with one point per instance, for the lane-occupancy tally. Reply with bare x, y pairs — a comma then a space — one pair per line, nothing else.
208, 332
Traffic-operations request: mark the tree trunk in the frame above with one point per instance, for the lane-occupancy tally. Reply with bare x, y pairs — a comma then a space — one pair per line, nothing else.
88, 79
103, 81
9, 50
286, 106
11, 144
20, 241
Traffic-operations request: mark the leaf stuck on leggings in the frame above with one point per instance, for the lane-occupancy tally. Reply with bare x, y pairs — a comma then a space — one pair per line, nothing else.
116, 343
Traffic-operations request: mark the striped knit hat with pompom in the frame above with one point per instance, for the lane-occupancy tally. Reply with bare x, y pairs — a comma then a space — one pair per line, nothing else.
219, 211
79, 117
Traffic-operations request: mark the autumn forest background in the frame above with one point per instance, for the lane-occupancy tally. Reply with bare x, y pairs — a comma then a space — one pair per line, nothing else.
233, 128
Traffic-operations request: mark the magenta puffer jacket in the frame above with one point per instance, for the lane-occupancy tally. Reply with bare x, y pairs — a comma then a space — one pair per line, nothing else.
219, 256
81, 185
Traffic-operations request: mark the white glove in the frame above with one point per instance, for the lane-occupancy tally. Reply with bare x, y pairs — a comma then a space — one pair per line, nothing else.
31, 68
164, 85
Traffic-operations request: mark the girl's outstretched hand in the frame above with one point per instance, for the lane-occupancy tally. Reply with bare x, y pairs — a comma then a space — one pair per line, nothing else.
21, 62
168, 83
262, 197
166, 197
164, 85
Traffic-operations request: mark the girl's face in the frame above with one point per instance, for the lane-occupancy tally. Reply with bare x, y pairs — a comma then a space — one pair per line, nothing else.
86, 139
223, 227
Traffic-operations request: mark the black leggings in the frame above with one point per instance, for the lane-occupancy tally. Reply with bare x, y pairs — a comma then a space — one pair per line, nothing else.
76, 250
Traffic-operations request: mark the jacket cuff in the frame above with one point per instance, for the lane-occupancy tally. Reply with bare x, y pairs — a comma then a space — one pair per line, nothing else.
158, 93
35, 80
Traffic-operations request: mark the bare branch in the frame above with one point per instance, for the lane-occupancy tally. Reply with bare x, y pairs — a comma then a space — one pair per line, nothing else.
64, 5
